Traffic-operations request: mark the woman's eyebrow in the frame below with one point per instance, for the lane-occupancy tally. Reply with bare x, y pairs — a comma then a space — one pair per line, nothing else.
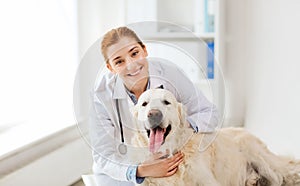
116, 58
132, 48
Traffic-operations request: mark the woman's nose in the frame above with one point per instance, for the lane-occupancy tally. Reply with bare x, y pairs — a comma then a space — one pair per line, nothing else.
129, 59
130, 63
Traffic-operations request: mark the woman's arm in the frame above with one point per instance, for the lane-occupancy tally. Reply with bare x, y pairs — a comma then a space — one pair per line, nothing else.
157, 167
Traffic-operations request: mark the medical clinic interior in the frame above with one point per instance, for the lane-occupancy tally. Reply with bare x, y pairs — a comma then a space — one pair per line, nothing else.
243, 55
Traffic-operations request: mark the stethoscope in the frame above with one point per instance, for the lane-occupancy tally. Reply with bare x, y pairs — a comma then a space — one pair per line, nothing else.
122, 147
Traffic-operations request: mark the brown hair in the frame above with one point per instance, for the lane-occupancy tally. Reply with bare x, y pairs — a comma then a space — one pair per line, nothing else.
114, 35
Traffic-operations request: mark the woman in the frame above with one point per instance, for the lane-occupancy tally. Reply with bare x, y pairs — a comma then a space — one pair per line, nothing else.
130, 74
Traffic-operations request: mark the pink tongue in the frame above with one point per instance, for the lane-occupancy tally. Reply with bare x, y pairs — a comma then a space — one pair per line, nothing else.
156, 139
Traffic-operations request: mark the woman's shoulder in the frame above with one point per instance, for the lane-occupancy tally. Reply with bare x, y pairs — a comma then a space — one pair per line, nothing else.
104, 82
165, 66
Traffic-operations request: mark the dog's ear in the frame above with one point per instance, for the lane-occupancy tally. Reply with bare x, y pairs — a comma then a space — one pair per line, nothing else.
181, 114
160, 87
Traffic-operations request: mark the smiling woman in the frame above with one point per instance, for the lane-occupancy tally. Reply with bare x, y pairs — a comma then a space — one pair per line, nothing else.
130, 74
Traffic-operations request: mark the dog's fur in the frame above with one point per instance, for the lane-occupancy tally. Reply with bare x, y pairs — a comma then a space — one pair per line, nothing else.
233, 158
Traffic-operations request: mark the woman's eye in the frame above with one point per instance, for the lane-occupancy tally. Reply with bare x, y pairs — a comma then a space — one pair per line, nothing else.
135, 53
144, 104
166, 102
118, 62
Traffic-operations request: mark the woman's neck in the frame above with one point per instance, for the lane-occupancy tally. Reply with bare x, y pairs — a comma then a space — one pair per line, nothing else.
138, 88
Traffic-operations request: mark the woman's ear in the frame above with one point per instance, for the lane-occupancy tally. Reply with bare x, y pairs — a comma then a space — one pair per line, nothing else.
181, 114
110, 68
145, 51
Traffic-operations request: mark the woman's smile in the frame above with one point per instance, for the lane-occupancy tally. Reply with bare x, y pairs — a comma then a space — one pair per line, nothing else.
136, 72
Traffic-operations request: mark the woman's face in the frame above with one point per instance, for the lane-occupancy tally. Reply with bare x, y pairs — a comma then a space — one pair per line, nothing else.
127, 58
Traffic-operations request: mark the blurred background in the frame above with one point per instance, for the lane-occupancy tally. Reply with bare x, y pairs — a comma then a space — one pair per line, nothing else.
46, 45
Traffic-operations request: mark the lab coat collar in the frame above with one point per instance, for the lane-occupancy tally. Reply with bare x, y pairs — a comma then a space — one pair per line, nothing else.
119, 90
156, 80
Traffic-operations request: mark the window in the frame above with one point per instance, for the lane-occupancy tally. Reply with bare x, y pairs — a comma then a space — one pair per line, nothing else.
38, 60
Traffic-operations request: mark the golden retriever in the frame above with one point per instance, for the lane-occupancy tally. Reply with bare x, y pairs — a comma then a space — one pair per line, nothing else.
232, 157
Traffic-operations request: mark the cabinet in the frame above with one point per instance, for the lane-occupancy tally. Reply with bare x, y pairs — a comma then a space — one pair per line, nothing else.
175, 31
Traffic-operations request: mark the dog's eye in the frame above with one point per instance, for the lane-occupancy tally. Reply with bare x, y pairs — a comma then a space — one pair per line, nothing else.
166, 102
144, 104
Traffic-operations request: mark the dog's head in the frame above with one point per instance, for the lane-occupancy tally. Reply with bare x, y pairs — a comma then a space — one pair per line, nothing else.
160, 113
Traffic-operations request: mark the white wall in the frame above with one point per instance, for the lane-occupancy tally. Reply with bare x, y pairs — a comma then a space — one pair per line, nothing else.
233, 66
272, 71
95, 17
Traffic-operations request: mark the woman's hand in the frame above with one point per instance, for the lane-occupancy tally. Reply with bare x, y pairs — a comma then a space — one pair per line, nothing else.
160, 166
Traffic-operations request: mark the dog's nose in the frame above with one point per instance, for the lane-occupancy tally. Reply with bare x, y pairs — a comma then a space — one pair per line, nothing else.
154, 117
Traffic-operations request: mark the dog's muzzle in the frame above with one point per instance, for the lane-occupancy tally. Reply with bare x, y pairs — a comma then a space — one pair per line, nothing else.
155, 118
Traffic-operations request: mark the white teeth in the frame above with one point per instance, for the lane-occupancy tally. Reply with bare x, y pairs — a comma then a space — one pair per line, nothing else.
135, 73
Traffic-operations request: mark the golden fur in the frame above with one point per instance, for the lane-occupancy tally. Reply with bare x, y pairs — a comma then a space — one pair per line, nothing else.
227, 157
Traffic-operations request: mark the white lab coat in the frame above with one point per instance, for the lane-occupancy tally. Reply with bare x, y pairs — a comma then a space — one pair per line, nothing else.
109, 165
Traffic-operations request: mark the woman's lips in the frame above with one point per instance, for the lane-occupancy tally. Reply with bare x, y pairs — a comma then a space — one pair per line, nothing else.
136, 72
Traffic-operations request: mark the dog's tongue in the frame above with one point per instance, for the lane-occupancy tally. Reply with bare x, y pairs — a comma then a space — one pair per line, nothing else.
156, 139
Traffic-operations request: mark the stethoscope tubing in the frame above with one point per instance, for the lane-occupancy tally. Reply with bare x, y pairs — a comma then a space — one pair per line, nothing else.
122, 147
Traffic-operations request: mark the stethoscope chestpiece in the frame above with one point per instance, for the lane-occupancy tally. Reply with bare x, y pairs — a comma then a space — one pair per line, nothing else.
122, 148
